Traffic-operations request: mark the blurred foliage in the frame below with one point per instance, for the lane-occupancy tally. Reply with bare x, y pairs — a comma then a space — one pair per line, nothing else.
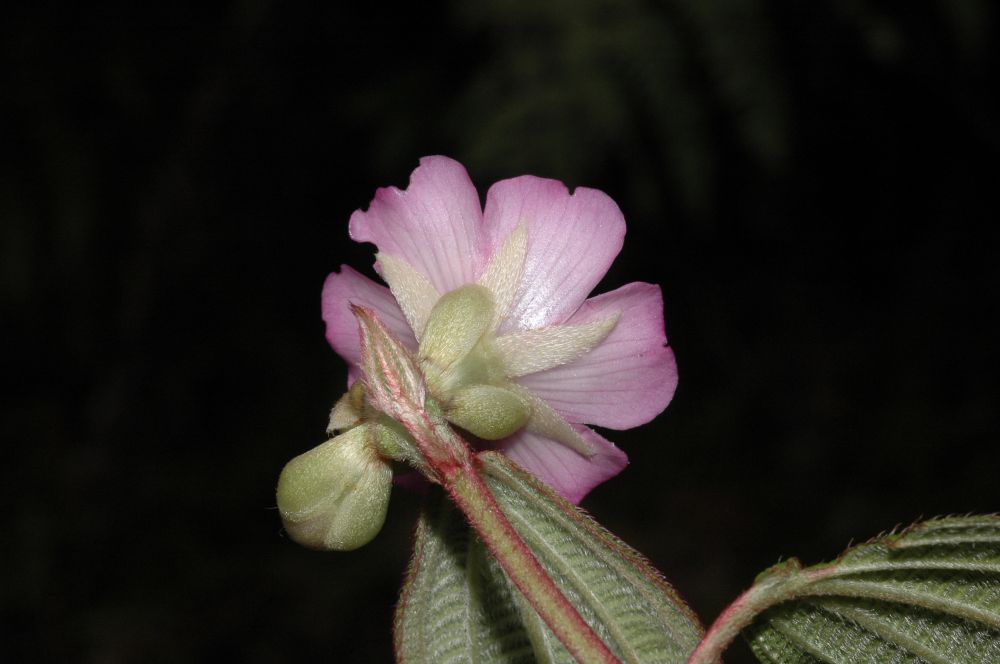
573, 87
814, 186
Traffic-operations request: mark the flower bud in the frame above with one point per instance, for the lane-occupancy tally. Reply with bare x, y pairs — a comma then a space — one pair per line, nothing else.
455, 326
335, 496
488, 411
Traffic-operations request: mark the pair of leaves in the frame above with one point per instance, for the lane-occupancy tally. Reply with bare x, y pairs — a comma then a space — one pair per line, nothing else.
458, 605
929, 594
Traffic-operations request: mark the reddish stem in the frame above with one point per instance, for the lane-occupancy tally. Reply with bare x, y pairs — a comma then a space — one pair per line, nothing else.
486, 517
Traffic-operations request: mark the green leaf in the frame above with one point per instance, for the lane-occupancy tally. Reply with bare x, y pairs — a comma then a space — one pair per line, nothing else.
458, 605
928, 594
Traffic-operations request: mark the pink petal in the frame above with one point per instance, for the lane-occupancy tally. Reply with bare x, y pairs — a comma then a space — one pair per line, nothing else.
569, 473
572, 240
629, 378
349, 287
435, 225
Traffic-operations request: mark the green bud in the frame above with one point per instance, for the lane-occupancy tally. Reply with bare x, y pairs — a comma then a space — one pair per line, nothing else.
456, 324
335, 496
488, 411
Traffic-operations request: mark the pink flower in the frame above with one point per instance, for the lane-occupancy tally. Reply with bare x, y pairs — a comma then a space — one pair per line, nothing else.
516, 340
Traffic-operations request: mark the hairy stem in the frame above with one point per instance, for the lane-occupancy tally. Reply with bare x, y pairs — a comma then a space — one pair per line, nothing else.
727, 627
780, 584
476, 501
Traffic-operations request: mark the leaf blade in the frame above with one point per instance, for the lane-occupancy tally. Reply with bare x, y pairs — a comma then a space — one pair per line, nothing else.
928, 594
452, 609
616, 590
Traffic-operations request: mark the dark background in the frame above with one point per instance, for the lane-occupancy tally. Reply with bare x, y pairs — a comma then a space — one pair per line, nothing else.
813, 184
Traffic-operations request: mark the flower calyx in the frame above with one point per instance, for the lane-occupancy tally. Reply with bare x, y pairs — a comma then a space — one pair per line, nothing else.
395, 387
463, 372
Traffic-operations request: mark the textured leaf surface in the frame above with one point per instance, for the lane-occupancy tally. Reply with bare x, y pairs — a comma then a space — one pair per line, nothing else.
929, 594
458, 605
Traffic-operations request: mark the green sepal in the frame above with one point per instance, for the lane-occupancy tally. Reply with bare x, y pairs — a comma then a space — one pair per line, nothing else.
928, 594
458, 605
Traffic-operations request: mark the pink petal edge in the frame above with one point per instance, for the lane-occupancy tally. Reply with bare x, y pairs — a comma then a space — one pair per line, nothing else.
435, 224
568, 472
340, 291
572, 241
625, 381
